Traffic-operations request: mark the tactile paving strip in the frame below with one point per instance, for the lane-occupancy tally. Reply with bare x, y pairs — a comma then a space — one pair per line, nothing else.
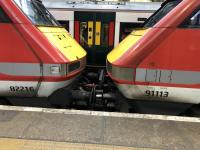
21, 144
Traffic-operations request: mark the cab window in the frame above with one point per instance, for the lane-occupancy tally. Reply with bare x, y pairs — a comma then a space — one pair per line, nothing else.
64, 24
36, 12
3, 17
161, 13
193, 21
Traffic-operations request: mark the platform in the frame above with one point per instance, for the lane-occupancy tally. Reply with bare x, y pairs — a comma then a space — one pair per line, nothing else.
25, 128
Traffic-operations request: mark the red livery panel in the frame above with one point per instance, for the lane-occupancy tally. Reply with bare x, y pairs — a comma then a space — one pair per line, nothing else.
164, 55
35, 52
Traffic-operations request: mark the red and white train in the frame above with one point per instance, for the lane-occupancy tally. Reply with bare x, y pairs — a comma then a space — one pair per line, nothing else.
160, 62
38, 57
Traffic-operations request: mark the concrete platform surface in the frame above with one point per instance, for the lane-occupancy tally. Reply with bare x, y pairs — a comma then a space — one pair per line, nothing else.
100, 128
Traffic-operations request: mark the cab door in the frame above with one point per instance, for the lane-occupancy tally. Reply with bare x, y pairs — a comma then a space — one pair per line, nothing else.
95, 33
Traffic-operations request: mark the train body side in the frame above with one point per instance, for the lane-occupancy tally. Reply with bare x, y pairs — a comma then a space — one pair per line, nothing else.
163, 63
31, 63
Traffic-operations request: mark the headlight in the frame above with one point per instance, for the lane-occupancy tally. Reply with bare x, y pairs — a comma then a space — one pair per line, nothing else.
55, 70
63, 69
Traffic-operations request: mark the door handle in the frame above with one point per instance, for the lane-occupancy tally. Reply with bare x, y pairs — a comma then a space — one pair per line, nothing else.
90, 33
98, 33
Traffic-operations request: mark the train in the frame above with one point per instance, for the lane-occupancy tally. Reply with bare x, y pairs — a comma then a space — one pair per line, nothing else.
38, 57
99, 26
159, 63
150, 55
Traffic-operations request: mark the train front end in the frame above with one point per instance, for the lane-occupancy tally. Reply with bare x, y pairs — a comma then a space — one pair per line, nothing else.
158, 62
38, 56
124, 75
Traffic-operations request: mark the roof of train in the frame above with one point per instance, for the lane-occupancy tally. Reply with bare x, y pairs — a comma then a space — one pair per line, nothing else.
103, 5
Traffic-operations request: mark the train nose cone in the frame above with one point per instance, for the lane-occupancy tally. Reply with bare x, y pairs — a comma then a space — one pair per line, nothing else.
126, 44
64, 43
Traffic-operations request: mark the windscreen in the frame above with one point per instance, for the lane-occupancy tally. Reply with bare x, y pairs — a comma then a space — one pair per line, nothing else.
36, 12
163, 11
3, 17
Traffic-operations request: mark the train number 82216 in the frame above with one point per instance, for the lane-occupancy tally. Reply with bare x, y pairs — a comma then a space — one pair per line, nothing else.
21, 89
156, 93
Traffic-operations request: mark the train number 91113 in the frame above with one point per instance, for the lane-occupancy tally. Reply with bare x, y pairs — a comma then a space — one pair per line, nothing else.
156, 93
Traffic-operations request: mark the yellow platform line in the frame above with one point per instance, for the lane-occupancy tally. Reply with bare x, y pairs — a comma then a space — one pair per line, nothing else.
21, 144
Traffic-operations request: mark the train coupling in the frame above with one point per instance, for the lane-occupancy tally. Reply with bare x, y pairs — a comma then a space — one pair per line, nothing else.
96, 91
